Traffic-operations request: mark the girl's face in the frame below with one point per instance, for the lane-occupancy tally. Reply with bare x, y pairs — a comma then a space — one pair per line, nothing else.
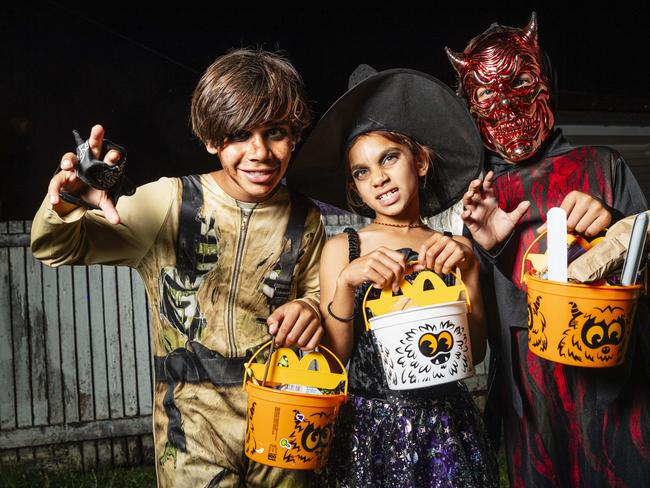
385, 175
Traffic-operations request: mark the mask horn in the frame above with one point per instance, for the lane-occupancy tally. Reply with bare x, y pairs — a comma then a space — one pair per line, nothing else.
530, 31
574, 310
457, 60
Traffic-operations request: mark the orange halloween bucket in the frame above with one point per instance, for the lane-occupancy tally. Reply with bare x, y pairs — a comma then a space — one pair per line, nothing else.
578, 324
287, 429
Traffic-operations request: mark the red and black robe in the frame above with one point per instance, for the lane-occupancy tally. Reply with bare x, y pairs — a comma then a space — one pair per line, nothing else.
564, 426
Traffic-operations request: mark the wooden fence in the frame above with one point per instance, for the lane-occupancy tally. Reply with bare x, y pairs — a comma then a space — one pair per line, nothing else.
75, 363
75, 359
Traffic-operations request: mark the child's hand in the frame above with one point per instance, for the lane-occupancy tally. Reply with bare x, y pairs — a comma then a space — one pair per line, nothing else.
296, 322
67, 180
489, 224
584, 214
443, 254
382, 267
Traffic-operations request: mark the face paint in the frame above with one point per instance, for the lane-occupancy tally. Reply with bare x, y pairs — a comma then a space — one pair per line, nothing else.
500, 73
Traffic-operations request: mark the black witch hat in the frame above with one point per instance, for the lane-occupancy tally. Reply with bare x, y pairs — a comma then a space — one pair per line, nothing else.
397, 100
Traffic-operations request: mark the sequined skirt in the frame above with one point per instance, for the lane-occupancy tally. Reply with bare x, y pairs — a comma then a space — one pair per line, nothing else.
411, 443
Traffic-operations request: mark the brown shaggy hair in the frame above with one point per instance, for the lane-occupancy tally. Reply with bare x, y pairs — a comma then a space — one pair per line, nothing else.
247, 88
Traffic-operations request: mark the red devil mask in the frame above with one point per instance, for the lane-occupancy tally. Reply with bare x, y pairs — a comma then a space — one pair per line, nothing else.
501, 74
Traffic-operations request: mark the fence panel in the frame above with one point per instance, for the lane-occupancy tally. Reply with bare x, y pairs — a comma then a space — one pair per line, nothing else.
75, 362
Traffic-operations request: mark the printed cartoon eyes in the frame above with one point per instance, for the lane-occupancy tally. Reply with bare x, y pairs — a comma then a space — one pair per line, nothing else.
615, 332
595, 335
436, 346
316, 437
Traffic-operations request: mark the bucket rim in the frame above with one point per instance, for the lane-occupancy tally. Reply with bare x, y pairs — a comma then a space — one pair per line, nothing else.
418, 309
338, 397
531, 277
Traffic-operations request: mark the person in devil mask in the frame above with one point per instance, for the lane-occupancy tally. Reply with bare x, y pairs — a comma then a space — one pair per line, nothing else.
564, 426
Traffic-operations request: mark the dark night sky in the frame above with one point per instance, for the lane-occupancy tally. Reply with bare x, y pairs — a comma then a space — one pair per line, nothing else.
133, 69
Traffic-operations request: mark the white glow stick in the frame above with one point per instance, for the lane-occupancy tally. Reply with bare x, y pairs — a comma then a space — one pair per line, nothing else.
556, 244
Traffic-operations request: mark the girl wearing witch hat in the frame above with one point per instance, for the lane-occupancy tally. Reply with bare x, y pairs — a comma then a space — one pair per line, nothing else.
398, 147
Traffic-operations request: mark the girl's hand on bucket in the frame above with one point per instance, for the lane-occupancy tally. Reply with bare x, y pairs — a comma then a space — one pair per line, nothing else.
382, 267
584, 214
443, 254
488, 223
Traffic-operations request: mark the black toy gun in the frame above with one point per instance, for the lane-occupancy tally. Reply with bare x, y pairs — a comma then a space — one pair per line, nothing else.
98, 174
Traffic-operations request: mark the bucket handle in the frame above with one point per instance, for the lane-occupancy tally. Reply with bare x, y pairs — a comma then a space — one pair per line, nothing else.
264, 346
458, 278
523, 261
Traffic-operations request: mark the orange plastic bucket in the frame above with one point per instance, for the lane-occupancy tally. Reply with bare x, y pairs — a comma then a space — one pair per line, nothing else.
578, 324
287, 429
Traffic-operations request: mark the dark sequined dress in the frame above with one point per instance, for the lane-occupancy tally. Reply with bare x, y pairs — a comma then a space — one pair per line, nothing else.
432, 437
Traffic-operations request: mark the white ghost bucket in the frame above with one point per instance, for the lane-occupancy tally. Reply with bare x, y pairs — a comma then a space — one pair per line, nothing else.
426, 345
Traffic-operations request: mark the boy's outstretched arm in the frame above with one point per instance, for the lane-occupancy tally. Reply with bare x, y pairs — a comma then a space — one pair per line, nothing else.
63, 233
488, 224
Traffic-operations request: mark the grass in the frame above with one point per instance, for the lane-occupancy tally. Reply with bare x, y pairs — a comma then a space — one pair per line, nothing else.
28, 475
504, 481
43, 474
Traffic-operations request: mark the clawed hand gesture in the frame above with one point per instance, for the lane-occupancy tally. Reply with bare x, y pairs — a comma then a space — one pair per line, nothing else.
489, 224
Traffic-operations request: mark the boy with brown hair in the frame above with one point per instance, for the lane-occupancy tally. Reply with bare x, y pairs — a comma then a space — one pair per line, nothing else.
227, 258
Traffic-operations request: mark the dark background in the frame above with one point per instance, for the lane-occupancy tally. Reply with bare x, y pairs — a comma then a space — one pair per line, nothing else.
133, 68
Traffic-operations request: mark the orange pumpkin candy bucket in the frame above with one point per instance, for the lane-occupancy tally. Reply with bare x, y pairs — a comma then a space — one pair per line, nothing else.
578, 324
288, 429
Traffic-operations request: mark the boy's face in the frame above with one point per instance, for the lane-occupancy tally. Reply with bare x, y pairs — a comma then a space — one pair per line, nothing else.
254, 161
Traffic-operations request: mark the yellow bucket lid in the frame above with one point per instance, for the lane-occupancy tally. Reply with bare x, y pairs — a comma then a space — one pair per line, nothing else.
286, 367
426, 289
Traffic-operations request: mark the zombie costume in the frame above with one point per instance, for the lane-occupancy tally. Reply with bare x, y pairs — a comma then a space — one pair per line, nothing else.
211, 267
433, 437
564, 426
